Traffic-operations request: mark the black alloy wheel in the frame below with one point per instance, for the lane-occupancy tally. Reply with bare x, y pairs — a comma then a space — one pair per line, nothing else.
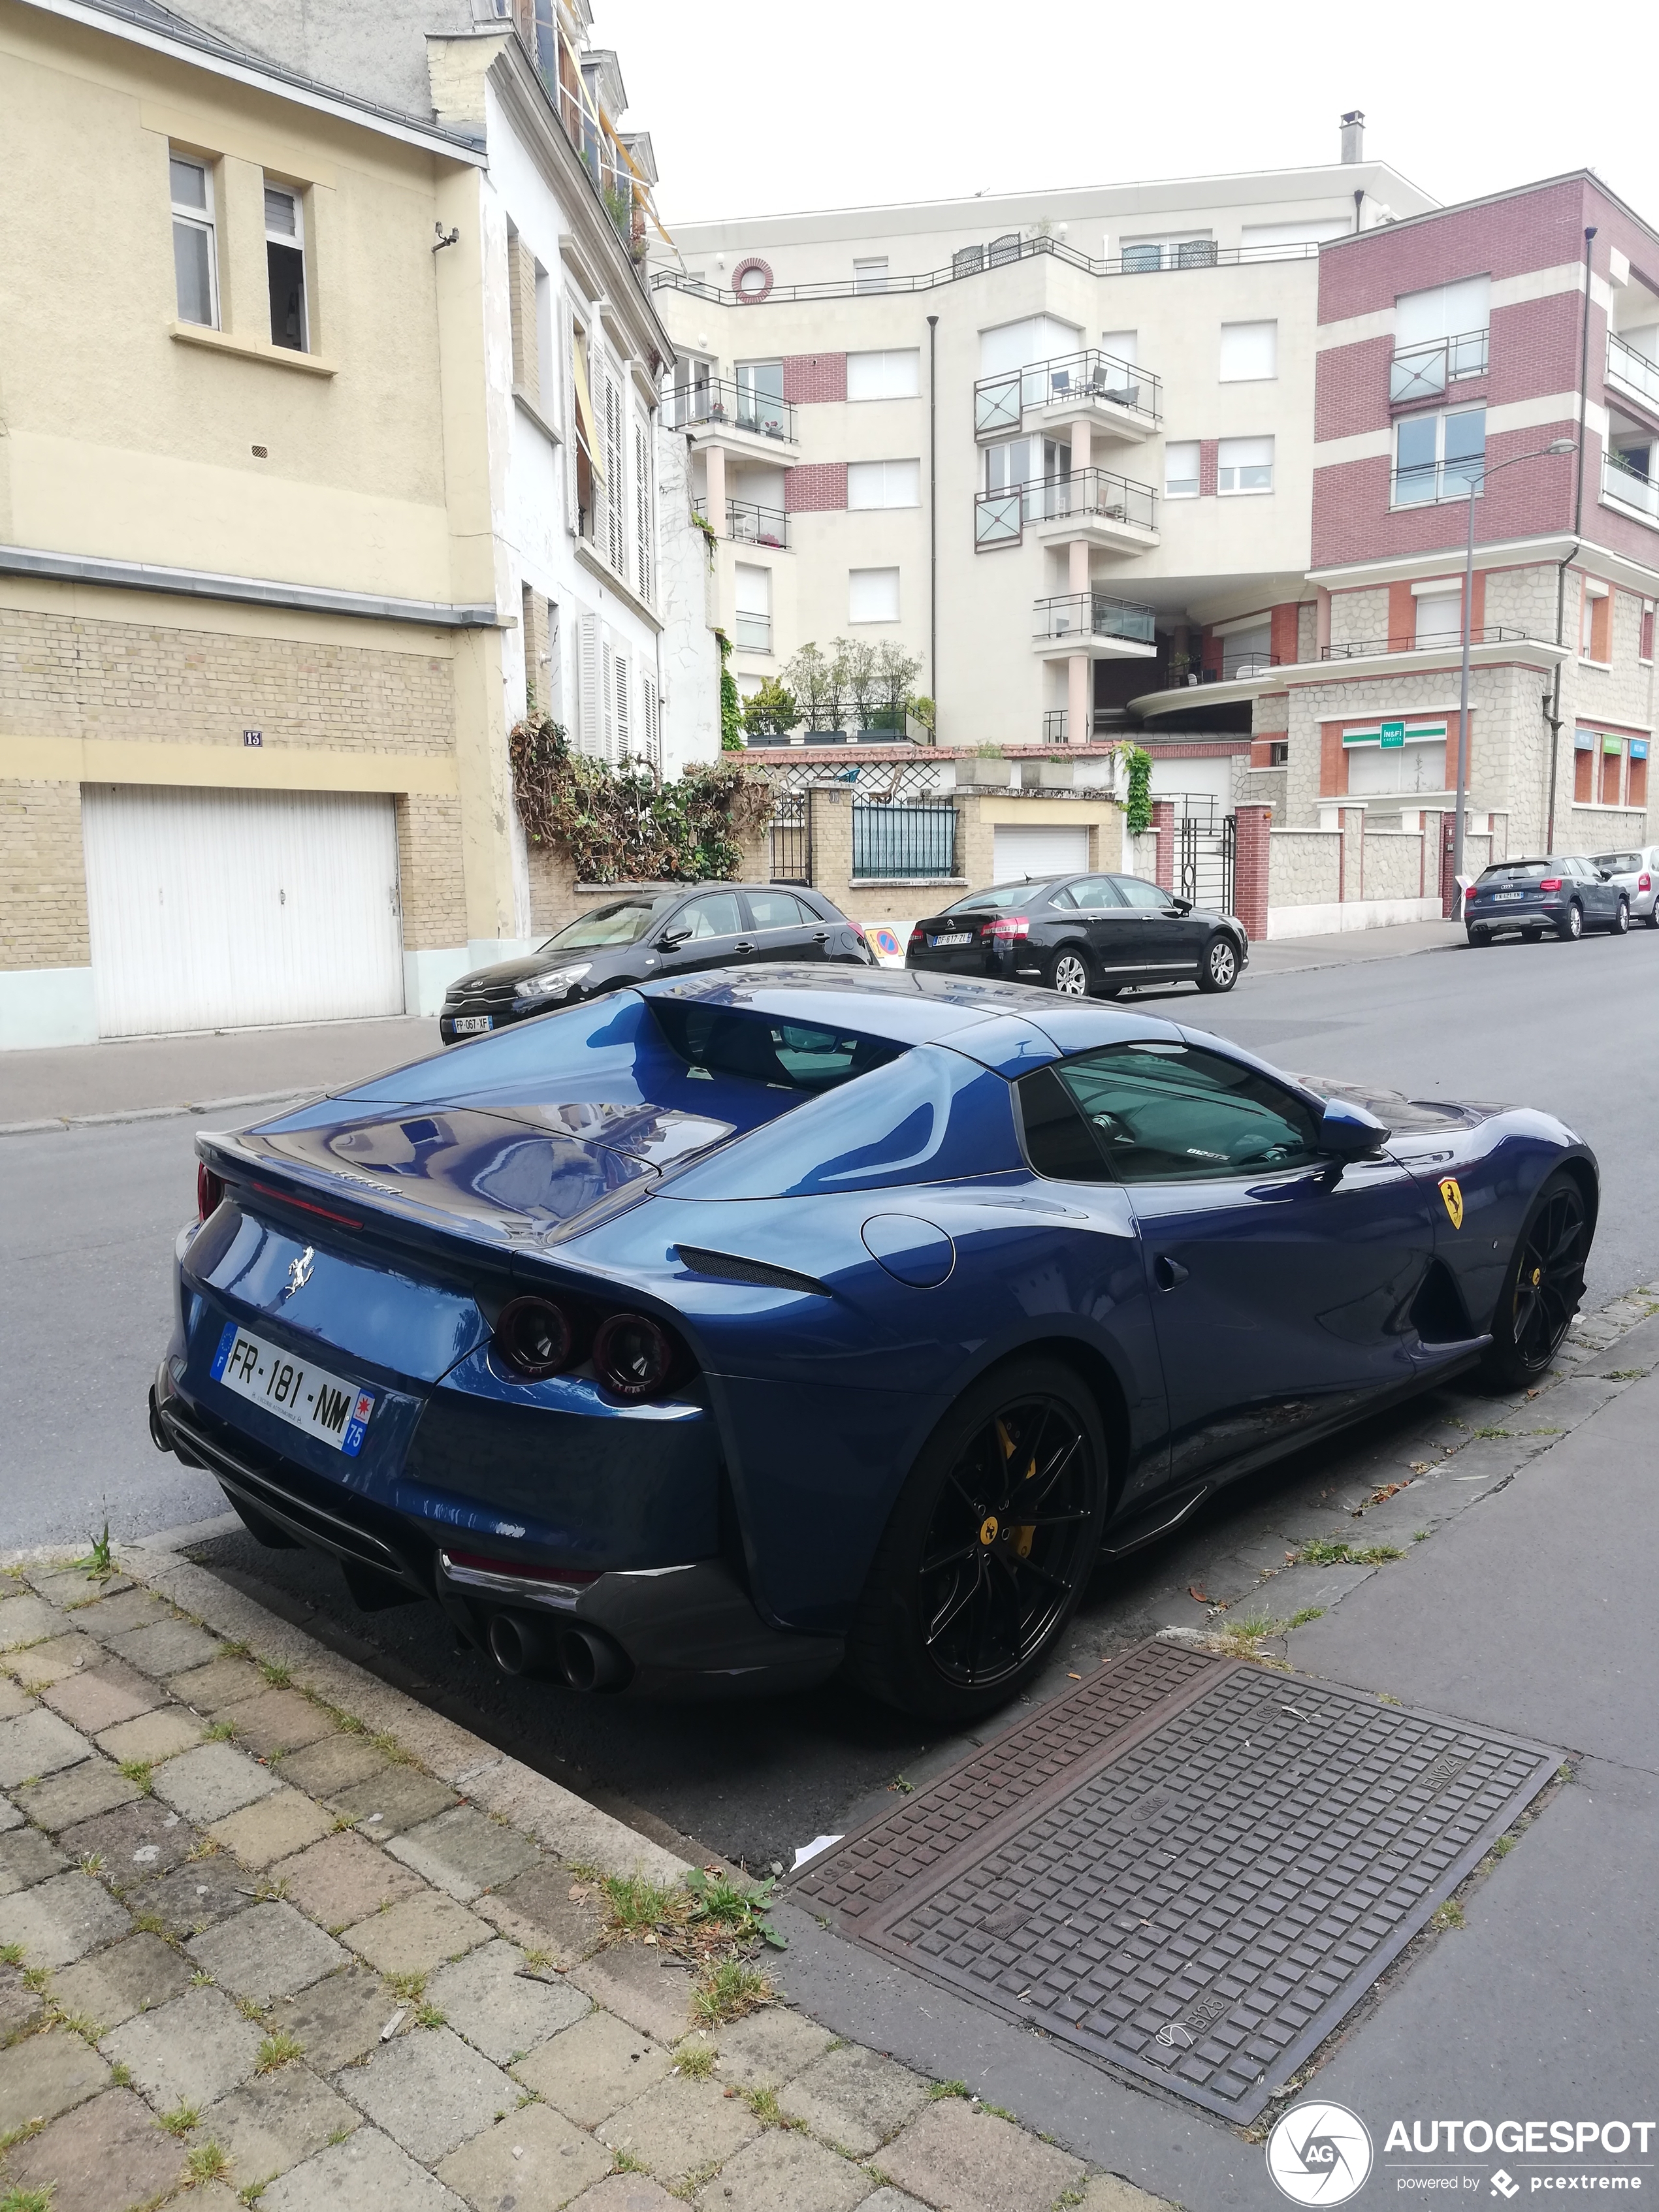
1621, 920
1572, 922
1219, 969
988, 1549
1544, 1285
1068, 972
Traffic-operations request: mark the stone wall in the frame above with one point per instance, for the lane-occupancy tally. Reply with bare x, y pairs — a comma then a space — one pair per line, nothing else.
1304, 868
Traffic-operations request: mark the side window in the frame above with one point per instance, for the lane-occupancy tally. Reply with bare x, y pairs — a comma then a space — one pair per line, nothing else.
285, 265
1093, 893
775, 910
1134, 890
1174, 1113
716, 915
1059, 1142
195, 244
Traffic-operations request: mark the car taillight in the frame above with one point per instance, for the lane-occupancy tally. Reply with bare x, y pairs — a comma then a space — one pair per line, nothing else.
1550, 883
632, 1356
210, 1189
536, 1337
917, 934
1006, 927
1644, 882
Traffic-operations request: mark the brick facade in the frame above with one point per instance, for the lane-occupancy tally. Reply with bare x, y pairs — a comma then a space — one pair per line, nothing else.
815, 487
1250, 867
809, 378
43, 889
432, 892
1206, 467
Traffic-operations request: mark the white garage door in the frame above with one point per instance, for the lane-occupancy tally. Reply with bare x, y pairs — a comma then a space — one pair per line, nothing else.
1053, 851
223, 910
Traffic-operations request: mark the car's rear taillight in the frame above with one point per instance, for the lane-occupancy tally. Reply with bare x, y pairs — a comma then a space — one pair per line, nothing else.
918, 934
632, 1356
1644, 882
210, 1189
537, 1338
1550, 883
1006, 927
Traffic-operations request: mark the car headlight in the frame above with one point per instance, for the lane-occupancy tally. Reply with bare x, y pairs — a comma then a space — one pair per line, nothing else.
554, 981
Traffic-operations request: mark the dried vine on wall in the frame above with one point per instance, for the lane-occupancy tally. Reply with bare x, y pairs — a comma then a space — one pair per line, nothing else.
625, 824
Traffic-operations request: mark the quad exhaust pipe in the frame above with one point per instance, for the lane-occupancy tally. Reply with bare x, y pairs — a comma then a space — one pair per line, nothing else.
584, 1658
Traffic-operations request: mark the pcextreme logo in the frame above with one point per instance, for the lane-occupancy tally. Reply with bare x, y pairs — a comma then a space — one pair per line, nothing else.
1319, 2154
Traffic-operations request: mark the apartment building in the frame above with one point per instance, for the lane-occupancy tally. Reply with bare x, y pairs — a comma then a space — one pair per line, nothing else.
331, 443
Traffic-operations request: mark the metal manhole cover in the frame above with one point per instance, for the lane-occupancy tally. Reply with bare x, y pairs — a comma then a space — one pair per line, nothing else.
1189, 1868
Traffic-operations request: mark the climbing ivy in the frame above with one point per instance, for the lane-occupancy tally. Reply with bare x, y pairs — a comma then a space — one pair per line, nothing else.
626, 824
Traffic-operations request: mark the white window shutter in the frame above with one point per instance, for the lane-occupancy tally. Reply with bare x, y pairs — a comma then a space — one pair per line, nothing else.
607, 745
589, 739
649, 740
623, 733
643, 563
615, 510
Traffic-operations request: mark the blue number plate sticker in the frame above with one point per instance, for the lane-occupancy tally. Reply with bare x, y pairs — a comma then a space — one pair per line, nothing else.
324, 1406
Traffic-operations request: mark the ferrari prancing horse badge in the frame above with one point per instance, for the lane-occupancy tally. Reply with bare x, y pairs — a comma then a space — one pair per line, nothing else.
1452, 1193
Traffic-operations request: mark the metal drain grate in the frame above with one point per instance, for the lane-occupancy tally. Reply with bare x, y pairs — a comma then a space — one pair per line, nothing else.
1189, 1868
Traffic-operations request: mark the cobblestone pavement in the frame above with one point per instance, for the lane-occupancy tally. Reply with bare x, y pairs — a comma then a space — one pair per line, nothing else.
272, 1933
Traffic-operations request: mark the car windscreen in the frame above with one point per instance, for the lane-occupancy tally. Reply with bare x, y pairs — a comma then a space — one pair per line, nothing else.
1520, 871
1001, 898
1618, 864
785, 1055
624, 922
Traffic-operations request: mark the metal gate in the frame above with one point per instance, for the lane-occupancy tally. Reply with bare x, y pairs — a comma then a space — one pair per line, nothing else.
1206, 872
791, 838
895, 840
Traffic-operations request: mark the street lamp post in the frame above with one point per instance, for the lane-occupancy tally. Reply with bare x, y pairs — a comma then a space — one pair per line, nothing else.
1477, 481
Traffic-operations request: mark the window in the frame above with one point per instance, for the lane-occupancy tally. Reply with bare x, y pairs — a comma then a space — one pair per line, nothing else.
1595, 625
1439, 456
760, 396
1637, 793
1181, 469
1249, 352
1443, 311
1279, 752
1025, 460
1440, 617
870, 275
1584, 767
1613, 770
1161, 1113
1090, 895
753, 626
1265, 241
1135, 890
873, 595
195, 246
883, 484
1244, 465
893, 375
1248, 651
285, 265
1644, 641
1192, 251
778, 910
715, 915
1018, 345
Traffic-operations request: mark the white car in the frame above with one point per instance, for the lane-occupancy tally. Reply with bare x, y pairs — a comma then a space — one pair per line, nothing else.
1637, 875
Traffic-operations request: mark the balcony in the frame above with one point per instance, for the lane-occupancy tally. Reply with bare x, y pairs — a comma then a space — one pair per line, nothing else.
1623, 486
1091, 622
1633, 373
1112, 397
1090, 506
748, 525
1367, 648
1432, 483
1427, 372
735, 414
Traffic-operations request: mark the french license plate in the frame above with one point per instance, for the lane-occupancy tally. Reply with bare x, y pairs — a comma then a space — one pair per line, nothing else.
471, 1024
308, 1397
1509, 895
957, 936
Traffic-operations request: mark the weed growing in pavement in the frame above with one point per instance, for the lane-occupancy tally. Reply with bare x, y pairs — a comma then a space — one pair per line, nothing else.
201, 1979
696, 2058
120, 2075
249, 2008
687, 2189
339, 2137
36, 1977
1625, 1374
905, 1789
11, 1954
204, 1848
428, 2015
277, 2050
1243, 1639
9, 2137
408, 1988
633, 1904
1307, 1612
623, 2161
1502, 1847
732, 1911
1321, 1552
208, 2162
1449, 1915
763, 2104
253, 2190
137, 1772
728, 1991
276, 1674
26, 2200
221, 1732
539, 1962
100, 1561
92, 1862
181, 2120
937, 2089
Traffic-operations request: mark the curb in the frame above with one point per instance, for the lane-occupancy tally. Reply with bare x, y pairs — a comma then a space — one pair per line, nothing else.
60, 1121
576, 1831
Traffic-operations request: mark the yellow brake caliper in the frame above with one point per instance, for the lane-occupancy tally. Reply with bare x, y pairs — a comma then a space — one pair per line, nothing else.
1020, 1535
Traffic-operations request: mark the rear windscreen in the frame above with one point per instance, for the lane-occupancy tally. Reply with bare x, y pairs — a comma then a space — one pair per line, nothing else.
1001, 898
1618, 864
785, 1055
1520, 871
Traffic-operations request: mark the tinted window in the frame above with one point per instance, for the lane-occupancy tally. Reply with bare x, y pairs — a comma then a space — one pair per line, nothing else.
1001, 898
1059, 1142
623, 923
787, 1055
714, 915
1520, 871
1170, 1112
777, 910
1135, 890
1089, 895
1619, 864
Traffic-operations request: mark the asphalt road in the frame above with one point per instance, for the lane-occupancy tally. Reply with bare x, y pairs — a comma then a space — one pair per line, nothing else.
85, 1239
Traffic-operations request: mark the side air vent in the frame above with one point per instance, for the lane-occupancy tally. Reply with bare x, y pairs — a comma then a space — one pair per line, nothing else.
1437, 1312
727, 1268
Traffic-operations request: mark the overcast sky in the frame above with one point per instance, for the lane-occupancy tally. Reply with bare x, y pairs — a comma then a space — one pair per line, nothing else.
761, 107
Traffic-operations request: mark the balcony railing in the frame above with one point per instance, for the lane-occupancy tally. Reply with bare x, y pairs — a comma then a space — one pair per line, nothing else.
1432, 481
1423, 372
723, 403
1092, 614
748, 525
1055, 726
1629, 486
1633, 370
1447, 641
1000, 402
1002, 517
1231, 672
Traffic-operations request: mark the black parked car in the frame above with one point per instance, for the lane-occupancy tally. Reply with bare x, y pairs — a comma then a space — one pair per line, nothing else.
1566, 895
675, 932
1085, 935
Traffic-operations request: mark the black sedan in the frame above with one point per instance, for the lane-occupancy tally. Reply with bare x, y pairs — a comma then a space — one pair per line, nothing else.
677, 931
1565, 896
1084, 935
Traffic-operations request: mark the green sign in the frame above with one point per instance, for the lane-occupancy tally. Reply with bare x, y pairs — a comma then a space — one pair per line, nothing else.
1394, 733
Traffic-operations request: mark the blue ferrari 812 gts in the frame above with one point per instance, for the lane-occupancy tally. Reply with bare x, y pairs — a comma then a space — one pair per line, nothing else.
735, 1329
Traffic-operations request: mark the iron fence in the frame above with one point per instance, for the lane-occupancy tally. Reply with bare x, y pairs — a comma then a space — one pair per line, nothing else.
1207, 853
1423, 372
896, 839
1000, 402
1093, 614
1359, 648
1000, 518
720, 402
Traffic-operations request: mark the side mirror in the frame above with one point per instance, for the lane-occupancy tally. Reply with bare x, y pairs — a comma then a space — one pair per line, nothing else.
1347, 1132
1606, 874
1181, 905
672, 937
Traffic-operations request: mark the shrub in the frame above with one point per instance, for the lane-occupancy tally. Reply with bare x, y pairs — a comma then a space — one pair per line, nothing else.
626, 824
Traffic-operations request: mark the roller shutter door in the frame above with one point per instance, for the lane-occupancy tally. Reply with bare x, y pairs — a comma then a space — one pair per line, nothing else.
226, 910
1048, 850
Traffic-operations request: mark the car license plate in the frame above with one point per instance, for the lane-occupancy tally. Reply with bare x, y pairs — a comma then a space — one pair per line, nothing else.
471, 1024
1509, 895
305, 1397
955, 937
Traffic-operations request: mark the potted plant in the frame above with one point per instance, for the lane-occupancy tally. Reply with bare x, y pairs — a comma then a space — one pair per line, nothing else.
810, 675
854, 673
895, 672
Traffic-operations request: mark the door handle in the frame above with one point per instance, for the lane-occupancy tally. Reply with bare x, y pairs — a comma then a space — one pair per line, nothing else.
743, 945
1168, 1272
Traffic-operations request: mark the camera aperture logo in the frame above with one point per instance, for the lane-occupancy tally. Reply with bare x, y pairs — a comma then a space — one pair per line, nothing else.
1319, 2154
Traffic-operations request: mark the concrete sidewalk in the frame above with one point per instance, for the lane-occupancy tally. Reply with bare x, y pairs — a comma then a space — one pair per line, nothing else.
1280, 955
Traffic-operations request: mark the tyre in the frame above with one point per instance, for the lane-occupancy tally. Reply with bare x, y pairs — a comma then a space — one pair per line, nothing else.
1478, 936
1219, 968
989, 1548
1572, 926
1620, 926
1651, 917
1068, 972
1542, 1286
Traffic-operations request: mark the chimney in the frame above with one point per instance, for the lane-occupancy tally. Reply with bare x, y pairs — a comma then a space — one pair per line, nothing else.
1354, 135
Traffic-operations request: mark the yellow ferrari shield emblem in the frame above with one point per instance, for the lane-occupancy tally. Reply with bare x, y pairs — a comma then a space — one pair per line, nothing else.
1452, 1193
987, 1529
